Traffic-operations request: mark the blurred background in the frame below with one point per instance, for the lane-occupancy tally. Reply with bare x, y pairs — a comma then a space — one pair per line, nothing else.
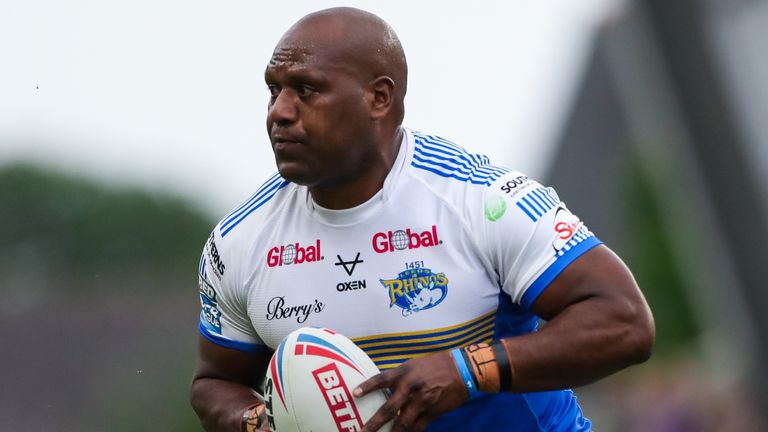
128, 129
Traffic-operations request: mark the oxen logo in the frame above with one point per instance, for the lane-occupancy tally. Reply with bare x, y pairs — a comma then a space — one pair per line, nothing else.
416, 290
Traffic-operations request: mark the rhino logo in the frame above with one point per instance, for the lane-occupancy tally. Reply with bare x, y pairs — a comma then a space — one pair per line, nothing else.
416, 290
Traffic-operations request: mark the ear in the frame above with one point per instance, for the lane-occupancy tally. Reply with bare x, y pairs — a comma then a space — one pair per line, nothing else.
382, 96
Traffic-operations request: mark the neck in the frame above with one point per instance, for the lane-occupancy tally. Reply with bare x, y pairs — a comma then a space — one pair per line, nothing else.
362, 187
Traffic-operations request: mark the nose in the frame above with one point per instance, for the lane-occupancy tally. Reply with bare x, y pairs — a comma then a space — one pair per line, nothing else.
283, 109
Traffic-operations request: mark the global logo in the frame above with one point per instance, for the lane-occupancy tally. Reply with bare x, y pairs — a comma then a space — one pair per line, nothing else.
288, 254
391, 241
293, 254
416, 290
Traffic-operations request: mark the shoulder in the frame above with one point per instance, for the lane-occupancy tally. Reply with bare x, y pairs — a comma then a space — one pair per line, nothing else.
462, 178
250, 214
235, 234
437, 157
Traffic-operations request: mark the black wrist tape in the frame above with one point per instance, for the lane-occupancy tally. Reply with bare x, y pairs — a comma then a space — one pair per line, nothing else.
505, 369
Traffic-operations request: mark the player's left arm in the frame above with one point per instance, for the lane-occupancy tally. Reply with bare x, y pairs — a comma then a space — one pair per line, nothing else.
599, 323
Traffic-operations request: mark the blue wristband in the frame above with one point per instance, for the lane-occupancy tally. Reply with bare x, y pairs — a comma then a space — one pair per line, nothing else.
464, 372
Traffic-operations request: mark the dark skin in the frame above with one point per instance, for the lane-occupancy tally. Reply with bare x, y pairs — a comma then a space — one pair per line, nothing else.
334, 123
222, 387
334, 115
599, 323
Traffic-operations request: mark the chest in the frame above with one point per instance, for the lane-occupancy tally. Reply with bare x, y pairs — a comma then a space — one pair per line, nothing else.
421, 275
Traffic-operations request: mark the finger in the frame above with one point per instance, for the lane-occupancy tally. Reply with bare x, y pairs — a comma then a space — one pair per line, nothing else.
386, 412
409, 416
263, 422
379, 381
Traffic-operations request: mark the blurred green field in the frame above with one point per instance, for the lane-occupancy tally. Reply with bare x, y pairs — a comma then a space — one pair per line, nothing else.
99, 305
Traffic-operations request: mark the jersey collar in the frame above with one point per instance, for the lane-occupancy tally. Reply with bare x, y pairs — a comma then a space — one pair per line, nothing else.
365, 210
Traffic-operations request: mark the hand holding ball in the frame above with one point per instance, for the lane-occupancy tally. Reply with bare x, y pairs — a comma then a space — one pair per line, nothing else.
310, 380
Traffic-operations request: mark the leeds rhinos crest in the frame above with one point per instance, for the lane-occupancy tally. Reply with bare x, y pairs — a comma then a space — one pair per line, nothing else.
416, 289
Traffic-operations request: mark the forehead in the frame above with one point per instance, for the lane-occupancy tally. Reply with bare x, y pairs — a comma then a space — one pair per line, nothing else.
290, 54
304, 49
292, 60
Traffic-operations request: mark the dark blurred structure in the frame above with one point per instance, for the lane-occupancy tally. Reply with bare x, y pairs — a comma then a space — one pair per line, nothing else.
668, 141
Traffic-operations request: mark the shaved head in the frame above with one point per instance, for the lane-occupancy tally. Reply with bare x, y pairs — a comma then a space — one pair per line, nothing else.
337, 81
351, 39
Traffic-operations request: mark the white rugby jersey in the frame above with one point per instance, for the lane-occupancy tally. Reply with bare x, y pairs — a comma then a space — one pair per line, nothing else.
452, 251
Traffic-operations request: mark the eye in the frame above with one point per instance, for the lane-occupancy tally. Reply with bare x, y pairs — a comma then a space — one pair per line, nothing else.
274, 90
305, 91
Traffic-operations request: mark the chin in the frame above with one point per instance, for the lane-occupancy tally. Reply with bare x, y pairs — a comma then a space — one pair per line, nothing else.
296, 174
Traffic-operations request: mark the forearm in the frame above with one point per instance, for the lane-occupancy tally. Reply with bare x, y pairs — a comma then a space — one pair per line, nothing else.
580, 345
585, 342
220, 404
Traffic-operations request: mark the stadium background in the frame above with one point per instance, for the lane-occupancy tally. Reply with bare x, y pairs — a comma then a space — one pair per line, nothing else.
125, 131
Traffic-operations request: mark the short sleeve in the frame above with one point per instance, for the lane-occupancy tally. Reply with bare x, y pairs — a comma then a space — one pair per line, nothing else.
223, 316
530, 236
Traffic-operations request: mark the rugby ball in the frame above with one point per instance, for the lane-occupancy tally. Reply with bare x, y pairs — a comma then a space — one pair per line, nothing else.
309, 383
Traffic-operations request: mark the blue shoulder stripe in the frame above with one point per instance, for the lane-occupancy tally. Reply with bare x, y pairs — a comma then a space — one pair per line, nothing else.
538, 201
446, 159
431, 145
265, 185
262, 195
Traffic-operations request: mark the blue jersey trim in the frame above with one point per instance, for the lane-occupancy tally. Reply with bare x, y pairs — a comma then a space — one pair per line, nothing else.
474, 174
229, 343
486, 334
461, 161
458, 331
261, 197
522, 207
536, 288
539, 201
446, 159
270, 181
486, 327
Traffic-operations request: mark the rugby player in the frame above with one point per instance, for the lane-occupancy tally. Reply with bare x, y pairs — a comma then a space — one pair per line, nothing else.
439, 264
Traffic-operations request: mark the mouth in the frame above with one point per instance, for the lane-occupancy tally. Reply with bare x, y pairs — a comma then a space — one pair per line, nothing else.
280, 145
285, 140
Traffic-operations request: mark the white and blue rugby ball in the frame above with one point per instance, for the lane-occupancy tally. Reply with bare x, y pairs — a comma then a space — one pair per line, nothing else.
309, 384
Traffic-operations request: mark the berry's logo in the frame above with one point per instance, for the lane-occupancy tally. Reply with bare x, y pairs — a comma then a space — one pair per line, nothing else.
293, 254
416, 289
391, 241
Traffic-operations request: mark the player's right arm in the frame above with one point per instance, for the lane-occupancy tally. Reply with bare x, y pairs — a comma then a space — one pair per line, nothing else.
223, 385
232, 359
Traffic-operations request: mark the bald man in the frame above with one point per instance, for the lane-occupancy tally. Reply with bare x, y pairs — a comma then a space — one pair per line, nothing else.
434, 261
